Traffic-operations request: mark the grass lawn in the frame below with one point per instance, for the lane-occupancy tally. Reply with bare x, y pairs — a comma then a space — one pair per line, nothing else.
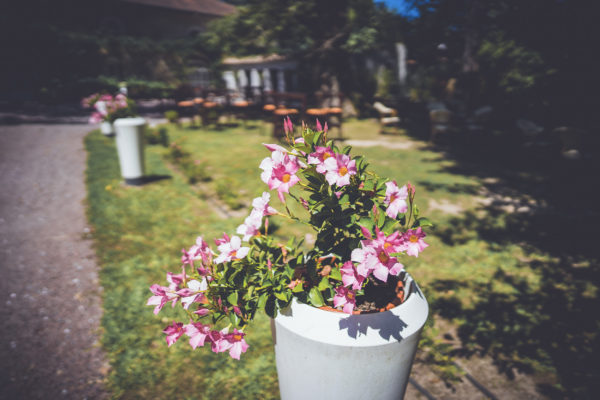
476, 283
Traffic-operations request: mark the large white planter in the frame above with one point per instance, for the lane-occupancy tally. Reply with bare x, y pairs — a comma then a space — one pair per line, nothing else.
130, 147
106, 128
330, 355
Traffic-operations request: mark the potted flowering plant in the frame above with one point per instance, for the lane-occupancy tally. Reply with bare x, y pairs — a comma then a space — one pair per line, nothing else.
107, 109
333, 302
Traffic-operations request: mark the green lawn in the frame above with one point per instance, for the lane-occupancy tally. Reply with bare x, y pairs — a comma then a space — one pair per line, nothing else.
476, 282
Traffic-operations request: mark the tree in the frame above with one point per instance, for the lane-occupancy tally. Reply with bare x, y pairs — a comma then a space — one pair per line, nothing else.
330, 38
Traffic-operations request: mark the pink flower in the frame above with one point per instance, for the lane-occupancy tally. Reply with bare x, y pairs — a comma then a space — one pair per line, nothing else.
287, 125
413, 241
218, 341
344, 297
224, 239
251, 225
236, 344
202, 312
193, 293
390, 244
173, 332
339, 169
199, 251
350, 276
231, 250
395, 199
163, 294
197, 333
96, 118
319, 156
275, 147
262, 204
375, 255
319, 127
279, 172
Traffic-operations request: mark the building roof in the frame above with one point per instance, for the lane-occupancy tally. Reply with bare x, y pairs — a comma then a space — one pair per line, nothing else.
209, 7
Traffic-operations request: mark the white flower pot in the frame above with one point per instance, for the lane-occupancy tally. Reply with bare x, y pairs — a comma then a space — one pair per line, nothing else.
130, 147
106, 128
330, 355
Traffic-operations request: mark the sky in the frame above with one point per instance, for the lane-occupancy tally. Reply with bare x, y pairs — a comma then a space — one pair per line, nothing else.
402, 6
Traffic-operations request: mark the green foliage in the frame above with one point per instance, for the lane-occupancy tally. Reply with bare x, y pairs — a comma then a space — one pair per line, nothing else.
157, 136
514, 68
172, 116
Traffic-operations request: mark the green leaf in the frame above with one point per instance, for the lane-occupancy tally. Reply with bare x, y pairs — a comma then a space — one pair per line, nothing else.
381, 218
335, 274
367, 222
262, 300
235, 320
271, 307
315, 297
298, 288
422, 222
284, 296
389, 226
324, 284
317, 138
233, 299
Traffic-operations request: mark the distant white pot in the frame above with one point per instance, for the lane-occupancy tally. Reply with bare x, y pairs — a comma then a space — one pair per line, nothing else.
331, 355
130, 147
106, 128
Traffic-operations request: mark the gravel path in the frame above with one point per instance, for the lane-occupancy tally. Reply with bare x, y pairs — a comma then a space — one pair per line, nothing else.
49, 290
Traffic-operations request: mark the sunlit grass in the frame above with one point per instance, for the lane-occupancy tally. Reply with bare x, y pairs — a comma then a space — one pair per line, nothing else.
139, 232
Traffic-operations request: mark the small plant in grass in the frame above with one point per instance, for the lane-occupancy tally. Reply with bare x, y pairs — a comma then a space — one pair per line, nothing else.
157, 136
176, 153
363, 224
196, 171
172, 116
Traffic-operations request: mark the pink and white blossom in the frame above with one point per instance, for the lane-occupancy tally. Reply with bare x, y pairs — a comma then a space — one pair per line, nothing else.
198, 251
231, 250
344, 297
164, 294
197, 332
194, 293
413, 242
173, 332
375, 257
395, 199
339, 169
251, 225
235, 343
279, 172
262, 204
319, 156
350, 276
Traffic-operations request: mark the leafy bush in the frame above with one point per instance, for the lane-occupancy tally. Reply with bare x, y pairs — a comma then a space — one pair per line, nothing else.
196, 171
157, 136
172, 116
